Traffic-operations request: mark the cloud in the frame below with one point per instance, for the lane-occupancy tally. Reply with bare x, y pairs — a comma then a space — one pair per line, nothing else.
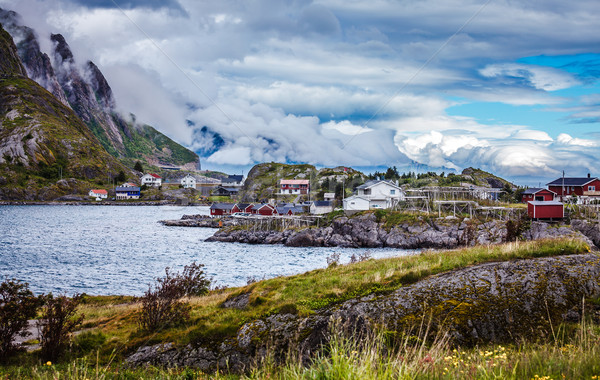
345, 82
538, 77
566, 139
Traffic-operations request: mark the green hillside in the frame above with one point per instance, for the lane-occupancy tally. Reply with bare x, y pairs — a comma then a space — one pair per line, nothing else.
42, 141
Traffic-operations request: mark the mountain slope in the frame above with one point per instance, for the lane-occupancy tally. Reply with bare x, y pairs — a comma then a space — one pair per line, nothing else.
41, 139
88, 93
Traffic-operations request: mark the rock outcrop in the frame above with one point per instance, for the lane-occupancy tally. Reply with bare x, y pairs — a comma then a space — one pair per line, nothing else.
365, 232
493, 302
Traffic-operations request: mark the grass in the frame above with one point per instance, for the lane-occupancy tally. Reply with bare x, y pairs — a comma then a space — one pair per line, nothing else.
573, 354
110, 325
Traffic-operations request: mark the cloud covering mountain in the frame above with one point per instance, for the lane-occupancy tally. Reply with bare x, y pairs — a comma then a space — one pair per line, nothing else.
506, 86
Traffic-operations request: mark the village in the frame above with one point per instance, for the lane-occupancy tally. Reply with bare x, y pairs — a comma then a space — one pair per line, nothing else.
295, 197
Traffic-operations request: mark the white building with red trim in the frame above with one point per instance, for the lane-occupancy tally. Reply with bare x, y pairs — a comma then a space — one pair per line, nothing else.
294, 186
99, 194
151, 179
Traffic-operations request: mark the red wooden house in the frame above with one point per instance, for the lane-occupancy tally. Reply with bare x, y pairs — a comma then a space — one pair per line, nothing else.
585, 186
218, 209
264, 209
545, 210
537, 194
242, 207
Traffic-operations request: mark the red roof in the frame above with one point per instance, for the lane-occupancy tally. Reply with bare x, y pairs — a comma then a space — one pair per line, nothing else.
154, 175
100, 191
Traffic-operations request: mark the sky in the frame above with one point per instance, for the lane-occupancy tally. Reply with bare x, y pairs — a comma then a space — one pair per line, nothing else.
508, 87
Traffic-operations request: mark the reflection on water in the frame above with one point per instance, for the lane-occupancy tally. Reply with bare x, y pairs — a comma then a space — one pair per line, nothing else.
121, 249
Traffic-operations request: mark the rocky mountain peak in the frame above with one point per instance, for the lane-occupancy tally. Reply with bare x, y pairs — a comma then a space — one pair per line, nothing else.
10, 64
61, 48
100, 86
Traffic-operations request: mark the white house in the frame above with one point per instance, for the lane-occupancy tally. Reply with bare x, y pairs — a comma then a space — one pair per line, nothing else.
294, 186
321, 207
188, 182
355, 203
99, 194
378, 194
329, 196
151, 179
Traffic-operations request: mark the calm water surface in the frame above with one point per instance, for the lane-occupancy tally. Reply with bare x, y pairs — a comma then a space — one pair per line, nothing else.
121, 249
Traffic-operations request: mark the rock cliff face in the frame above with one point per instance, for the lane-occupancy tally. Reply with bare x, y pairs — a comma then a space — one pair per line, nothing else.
494, 302
10, 64
88, 93
40, 136
364, 231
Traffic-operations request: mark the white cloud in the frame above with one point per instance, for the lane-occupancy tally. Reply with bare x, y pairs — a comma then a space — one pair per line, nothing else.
268, 76
539, 77
566, 139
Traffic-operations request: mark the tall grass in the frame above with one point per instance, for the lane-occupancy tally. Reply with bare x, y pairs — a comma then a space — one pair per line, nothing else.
572, 354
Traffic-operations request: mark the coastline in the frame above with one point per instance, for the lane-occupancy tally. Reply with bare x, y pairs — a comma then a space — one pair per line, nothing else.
95, 203
422, 233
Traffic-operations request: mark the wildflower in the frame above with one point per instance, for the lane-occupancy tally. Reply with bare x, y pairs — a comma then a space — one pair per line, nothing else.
48, 363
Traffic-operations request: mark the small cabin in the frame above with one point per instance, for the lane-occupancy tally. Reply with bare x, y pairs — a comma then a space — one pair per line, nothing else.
551, 210
219, 209
537, 194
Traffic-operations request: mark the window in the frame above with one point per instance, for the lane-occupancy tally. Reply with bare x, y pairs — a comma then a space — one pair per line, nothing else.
367, 191
591, 188
392, 192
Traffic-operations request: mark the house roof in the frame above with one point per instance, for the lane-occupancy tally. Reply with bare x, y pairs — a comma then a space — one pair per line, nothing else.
242, 206
285, 209
154, 175
535, 190
221, 206
294, 182
100, 191
127, 189
374, 182
545, 203
356, 197
572, 181
258, 207
233, 178
322, 203
129, 184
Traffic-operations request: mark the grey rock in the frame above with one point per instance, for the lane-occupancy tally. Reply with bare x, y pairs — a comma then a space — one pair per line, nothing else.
493, 302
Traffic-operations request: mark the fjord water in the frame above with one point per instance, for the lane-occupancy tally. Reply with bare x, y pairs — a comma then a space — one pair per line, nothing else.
103, 250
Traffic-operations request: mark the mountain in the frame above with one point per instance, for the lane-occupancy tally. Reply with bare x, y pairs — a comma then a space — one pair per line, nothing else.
88, 93
42, 140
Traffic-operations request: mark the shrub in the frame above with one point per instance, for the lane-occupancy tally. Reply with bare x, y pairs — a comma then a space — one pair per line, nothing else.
57, 324
17, 305
162, 305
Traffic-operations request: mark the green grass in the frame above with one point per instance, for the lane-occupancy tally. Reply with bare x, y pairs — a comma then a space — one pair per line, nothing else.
572, 355
111, 326
302, 294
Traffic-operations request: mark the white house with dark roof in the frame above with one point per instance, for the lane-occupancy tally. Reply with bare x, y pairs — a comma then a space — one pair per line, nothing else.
375, 194
188, 182
321, 207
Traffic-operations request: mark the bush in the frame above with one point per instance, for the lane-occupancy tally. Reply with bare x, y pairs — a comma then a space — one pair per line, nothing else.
162, 305
57, 324
17, 305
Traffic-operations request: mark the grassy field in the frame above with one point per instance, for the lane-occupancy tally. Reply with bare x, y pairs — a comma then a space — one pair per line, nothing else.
110, 329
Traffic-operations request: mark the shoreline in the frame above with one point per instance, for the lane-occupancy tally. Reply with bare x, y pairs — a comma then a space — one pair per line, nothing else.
95, 203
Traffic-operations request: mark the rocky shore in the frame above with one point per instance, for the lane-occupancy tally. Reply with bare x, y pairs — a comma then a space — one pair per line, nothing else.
494, 302
365, 232
199, 221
